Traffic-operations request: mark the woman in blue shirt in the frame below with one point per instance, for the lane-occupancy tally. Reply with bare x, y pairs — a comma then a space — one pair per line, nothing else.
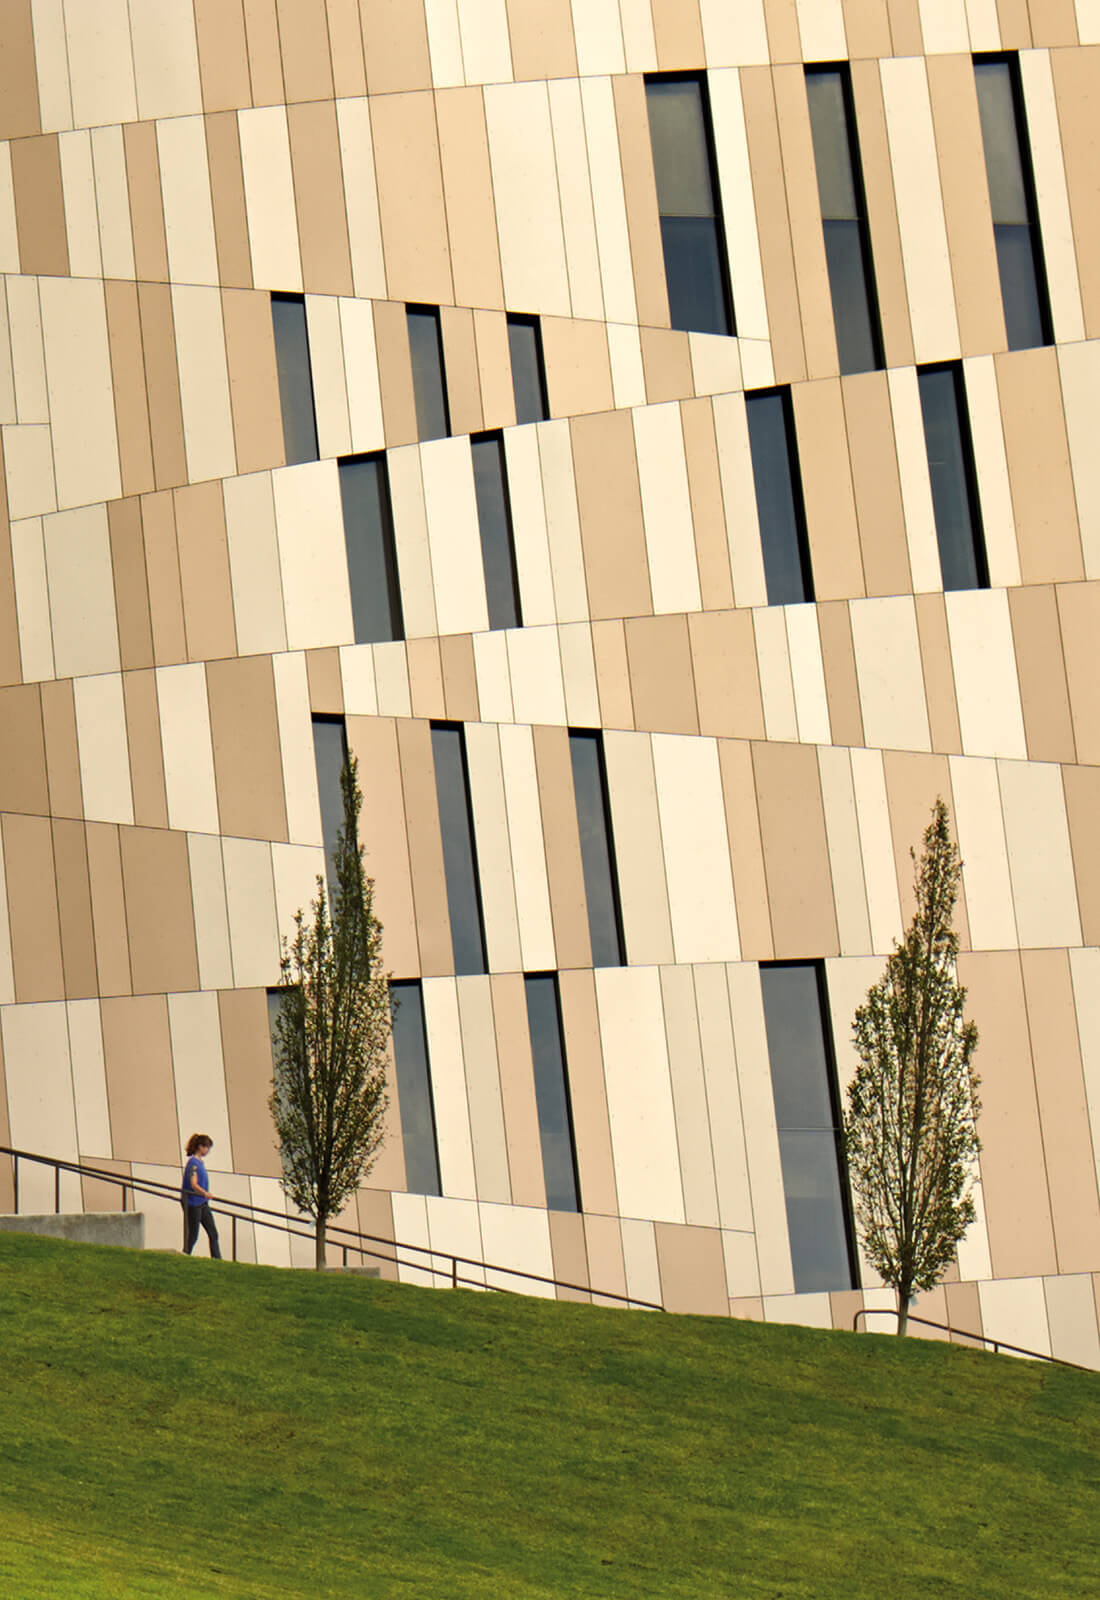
195, 1196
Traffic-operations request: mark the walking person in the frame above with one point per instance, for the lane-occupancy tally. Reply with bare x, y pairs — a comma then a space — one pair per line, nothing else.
195, 1196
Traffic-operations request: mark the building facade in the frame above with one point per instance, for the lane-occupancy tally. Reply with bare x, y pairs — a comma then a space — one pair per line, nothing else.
658, 438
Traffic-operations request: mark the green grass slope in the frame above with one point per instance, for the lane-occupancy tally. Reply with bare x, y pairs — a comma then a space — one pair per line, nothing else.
172, 1427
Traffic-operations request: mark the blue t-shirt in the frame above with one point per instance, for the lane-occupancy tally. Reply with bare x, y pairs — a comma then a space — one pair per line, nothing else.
189, 1197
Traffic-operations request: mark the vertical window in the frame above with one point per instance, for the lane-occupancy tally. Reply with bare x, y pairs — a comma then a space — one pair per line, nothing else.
688, 204
494, 516
1012, 201
330, 752
372, 556
559, 1161
452, 784
429, 383
414, 1089
597, 848
804, 1088
951, 469
844, 218
528, 370
288, 319
779, 506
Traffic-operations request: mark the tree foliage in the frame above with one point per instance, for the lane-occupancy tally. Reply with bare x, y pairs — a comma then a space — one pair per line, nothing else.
909, 1129
330, 1034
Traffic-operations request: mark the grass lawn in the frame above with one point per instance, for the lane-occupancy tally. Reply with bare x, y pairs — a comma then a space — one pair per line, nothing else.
171, 1427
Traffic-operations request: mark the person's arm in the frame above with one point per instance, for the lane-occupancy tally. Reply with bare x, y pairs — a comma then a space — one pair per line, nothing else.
197, 1186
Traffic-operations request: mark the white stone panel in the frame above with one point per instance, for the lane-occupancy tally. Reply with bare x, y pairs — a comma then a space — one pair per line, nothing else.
188, 208
326, 357
32, 599
577, 215
734, 36
250, 900
666, 508
116, 236
448, 1075
361, 201
880, 874
410, 537
104, 749
536, 582
361, 376
525, 188
1055, 222
891, 677
696, 848
312, 557
303, 808
166, 58
563, 529
204, 383
639, 1093
597, 29
1040, 860
916, 485
486, 52
188, 752
773, 662
517, 1237
991, 470
101, 65
454, 536
28, 470
605, 166
536, 929
739, 493
204, 854
738, 207
534, 664
269, 198
761, 1138
82, 403
81, 222
41, 1113
811, 702
980, 831
986, 686
494, 857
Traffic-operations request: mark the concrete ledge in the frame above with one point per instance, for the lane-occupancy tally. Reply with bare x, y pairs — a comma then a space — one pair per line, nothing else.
126, 1228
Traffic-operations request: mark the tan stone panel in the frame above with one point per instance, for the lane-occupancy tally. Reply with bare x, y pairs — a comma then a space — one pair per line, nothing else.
162, 384
693, 1269
773, 225
391, 338
827, 490
349, 73
610, 508
244, 730
666, 364
662, 684
727, 679
640, 196
541, 33
162, 571
707, 509
678, 35
395, 44
319, 198
612, 674
18, 76
9, 625
578, 368
569, 1255
939, 675
141, 1095
604, 1239
494, 365
135, 636
23, 768
1014, 1179
876, 485
965, 188
253, 380
156, 880
425, 848
1079, 611
588, 1098
146, 205
204, 572
838, 659
410, 198
383, 833
32, 908
98, 1194
796, 854
1076, 86
264, 58
804, 211
1044, 696
139, 691
40, 206
223, 150
425, 677
914, 782
905, 27
246, 1051
74, 910
1015, 24
456, 653
135, 446
844, 1303
784, 40
62, 753
517, 1090
223, 55
326, 685
867, 28
565, 874
376, 1217
303, 36
1039, 467
108, 908
460, 365
7, 1184
964, 1312
468, 191
1082, 789
1063, 1109
1053, 22
750, 886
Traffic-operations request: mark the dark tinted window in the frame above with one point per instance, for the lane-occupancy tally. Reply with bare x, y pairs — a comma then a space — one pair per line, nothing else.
597, 848
951, 469
779, 497
804, 1087
459, 856
414, 1089
429, 384
528, 371
330, 751
288, 319
372, 557
552, 1093
1012, 201
843, 218
687, 200
494, 517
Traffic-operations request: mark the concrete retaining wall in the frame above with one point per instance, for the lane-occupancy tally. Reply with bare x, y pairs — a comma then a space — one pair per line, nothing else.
88, 1227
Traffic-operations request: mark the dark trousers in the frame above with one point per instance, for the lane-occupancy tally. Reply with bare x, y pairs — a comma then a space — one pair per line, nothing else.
193, 1217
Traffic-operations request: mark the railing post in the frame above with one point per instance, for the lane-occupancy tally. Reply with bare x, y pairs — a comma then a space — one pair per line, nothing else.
15, 1181
454, 1272
234, 1236
57, 1191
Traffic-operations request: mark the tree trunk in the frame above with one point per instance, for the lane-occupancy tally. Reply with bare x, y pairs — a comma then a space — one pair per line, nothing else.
320, 1257
903, 1313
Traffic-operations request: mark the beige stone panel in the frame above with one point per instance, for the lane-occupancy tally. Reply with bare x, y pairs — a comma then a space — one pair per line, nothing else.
245, 736
574, 182
563, 519
774, 665
839, 666
28, 361
223, 147
612, 675
516, 1091
914, 481
761, 1140
62, 754
616, 155
745, 848
662, 687
146, 204
39, 205
188, 210
410, 198
199, 1071
51, 63
743, 249
489, 807
468, 195
269, 198
135, 446
678, 35
597, 29
104, 758
727, 684
29, 471
101, 64
693, 1276
9, 231
636, 826
807, 674
1075, 77
425, 847
204, 383
696, 849
990, 714
361, 197
157, 885
74, 907
139, 692
1079, 370
521, 149
821, 28
391, 674
707, 510
980, 829
254, 564
827, 490
108, 909
639, 1093
845, 862
312, 556
1071, 1314
876, 846
452, 1112
211, 914
913, 785
792, 829
639, 196
329, 383
666, 508
744, 554
296, 745
1078, 607
188, 757
876, 483
131, 593
715, 363
319, 192
939, 679
536, 584
385, 839
460, 365
162, 385
689, 1094
905, 26
891, 683
565, 875
494, 369
304, 42
93, 1123
734, 36
723, 1097
1040, 862
453, 537
395, 373
483, 1088
40, 1105
608, 497
112, 199
1044, 696
7, 976
666, 364
250, 900
323, 681
246, 1053
222, 54
78, 376
137, 1054
1038, 466
32, 908
542, 39
8, 411
81, 222
624, 347
1055, 222
578, 371
253, 379
570, 1257
804, 212
31, 595
534, 668
1082, 792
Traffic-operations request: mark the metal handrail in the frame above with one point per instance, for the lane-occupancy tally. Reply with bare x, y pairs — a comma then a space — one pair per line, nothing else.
964, 1333
353, 1240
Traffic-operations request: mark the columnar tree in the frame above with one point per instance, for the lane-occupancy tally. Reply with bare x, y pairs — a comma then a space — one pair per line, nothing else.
330, 1034
909, 1129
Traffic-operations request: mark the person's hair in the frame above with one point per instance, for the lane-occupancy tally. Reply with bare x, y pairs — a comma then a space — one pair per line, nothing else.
196, 1142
